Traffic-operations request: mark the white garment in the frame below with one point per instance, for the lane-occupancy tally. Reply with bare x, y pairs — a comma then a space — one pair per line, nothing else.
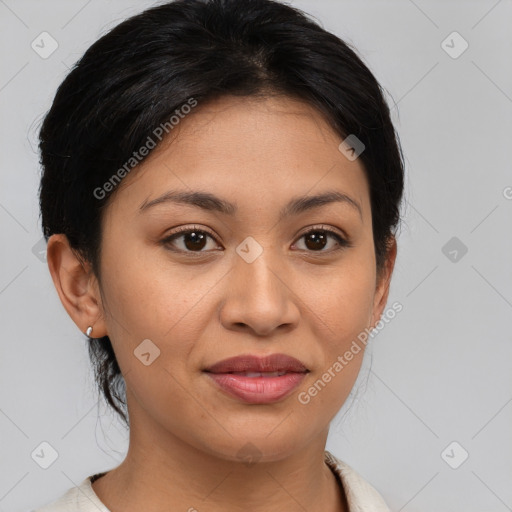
361, 496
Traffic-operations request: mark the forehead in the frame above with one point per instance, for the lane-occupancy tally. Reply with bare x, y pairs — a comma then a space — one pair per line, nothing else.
255, 151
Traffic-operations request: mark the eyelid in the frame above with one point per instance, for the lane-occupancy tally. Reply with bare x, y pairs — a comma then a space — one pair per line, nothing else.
186, 229
327, 229
342, 240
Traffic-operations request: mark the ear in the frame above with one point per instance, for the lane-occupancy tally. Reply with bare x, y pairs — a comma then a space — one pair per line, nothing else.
76, 285
383, 282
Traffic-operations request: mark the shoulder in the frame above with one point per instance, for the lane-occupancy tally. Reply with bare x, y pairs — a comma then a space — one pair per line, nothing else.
80, 498
361, 495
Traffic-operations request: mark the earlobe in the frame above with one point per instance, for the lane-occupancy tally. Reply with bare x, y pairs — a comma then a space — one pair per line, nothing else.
382, 290
74, 283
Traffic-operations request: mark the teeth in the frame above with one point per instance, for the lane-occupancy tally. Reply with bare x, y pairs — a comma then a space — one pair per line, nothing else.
259, 374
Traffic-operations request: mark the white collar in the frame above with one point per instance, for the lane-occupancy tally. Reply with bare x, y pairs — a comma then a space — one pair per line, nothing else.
361, 496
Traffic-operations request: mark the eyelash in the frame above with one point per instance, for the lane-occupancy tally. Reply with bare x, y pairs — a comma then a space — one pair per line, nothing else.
342, 242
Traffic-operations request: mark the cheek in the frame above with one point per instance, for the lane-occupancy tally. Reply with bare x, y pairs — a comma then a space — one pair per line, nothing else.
342, 317
340, 313
152, 298
340, 302
152, 329
149, 295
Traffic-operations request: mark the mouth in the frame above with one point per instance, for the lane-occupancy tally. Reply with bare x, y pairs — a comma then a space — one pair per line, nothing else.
255, 374
257, 380
248, 363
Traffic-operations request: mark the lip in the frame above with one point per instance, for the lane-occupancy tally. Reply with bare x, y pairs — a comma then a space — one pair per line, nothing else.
258, 389
252, 363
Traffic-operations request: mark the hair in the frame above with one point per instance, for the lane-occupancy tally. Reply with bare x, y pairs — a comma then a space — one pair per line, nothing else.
135, 77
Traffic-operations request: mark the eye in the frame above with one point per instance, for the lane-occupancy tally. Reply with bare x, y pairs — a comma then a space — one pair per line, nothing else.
193, 239
317, 238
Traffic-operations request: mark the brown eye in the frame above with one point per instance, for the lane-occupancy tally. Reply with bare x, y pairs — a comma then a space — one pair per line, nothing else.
194, 240
188, 240
317, 239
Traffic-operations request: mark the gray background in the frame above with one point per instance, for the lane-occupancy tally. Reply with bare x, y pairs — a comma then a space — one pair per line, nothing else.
438, 373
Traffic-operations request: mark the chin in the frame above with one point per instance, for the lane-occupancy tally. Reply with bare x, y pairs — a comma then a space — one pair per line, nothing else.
251, 447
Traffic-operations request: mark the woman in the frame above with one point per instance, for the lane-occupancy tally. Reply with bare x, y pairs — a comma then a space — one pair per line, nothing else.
220, 191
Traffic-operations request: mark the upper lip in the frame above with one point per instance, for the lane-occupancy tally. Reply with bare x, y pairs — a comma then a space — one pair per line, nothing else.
252, 363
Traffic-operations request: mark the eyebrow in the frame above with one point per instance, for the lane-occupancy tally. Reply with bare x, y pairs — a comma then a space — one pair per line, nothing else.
210, 202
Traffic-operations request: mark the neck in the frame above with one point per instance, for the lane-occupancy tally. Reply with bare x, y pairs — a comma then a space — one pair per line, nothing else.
183, 477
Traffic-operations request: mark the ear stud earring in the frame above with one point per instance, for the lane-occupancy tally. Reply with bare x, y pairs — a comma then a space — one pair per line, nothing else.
88, 331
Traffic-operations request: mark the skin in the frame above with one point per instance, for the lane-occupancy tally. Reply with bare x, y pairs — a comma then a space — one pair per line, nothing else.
294, 299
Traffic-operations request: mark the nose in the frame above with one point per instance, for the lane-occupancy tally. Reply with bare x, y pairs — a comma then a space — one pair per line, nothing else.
259, 297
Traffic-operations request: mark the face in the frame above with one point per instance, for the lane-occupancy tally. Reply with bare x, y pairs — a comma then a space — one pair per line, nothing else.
253, 278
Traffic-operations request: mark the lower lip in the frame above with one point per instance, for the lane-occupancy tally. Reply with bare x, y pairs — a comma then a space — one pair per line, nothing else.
257, 390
